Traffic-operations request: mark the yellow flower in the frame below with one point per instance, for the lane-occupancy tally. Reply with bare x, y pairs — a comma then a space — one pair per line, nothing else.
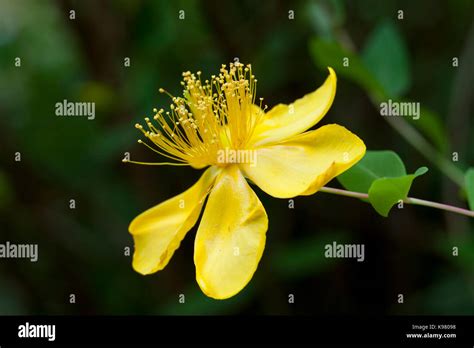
217, 124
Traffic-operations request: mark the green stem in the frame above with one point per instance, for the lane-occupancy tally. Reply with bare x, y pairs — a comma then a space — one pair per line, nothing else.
425, 148
408, 200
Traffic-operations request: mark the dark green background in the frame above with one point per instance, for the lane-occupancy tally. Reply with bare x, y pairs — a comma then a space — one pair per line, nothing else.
81, 251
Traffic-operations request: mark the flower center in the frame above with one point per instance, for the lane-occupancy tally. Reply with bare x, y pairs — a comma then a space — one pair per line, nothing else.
216, 115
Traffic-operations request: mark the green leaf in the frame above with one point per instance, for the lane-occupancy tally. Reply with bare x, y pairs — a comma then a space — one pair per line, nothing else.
382, 175
374, 165
386, 56
470, 187
384, 193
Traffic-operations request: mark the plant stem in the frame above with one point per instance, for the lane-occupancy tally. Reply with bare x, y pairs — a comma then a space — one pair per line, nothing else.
408, 200
411, 135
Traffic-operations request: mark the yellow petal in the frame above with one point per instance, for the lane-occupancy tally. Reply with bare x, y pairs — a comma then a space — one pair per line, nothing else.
158, 231
304, 163
231, 237
284, 120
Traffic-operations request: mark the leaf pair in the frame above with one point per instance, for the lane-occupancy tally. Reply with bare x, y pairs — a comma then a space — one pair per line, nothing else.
383, 176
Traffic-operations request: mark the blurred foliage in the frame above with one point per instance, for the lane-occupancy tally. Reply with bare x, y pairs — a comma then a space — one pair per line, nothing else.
470, 187
381, 81
386, 57
82, 251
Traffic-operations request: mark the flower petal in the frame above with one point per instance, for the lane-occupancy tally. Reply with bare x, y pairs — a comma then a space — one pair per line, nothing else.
231, 237
284, 120
158, 232
304, 163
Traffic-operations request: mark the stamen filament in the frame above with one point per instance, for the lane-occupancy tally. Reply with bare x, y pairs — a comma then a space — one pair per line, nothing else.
211, 116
